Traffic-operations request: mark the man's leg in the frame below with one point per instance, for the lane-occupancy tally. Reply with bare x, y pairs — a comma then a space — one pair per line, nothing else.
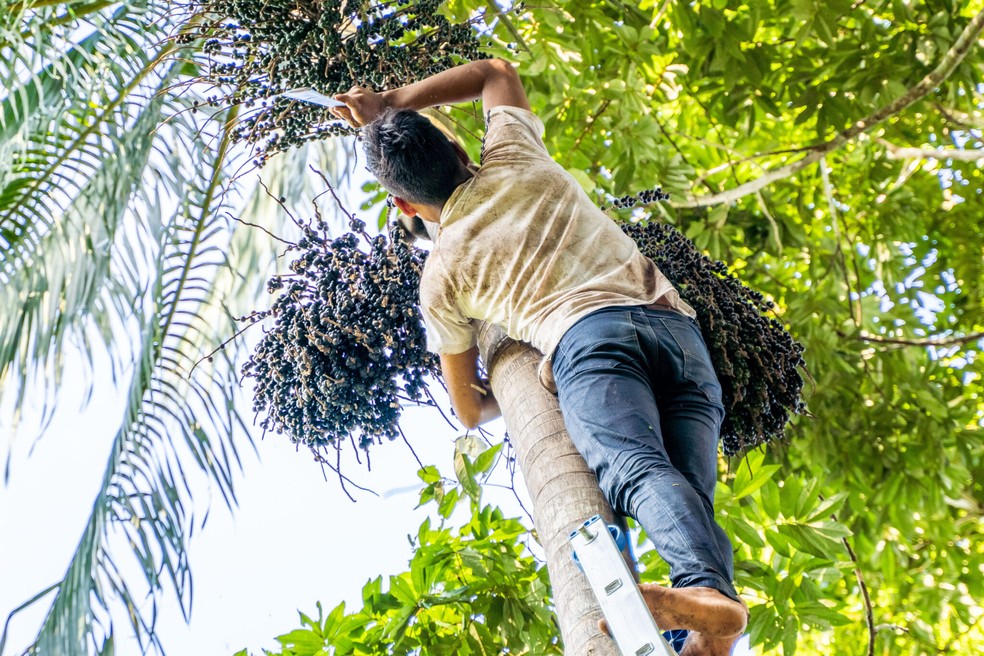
689, 399
604, 367
689, 396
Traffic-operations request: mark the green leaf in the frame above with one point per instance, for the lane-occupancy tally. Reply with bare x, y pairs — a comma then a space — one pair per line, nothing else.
810, 539
429, 474
828, 507
483, 463
303, 642
447, 505
820, 616
466, 448
748, 482
745, 532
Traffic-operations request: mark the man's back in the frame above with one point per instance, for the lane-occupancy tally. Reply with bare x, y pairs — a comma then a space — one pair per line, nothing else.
522, 246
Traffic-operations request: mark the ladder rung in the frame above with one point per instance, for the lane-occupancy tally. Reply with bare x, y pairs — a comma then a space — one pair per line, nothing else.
613, 586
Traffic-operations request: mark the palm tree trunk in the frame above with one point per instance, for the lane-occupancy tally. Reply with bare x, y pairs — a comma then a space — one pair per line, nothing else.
563, 490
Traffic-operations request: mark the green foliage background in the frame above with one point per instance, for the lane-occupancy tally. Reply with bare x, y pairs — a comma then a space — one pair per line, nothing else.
829, 151
863, 533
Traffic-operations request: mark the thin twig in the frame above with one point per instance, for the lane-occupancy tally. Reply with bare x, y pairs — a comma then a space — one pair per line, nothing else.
278, 201
958, 118
511, 468
259, 227
588, 124
717, 130
773, 226
440, 409
458, 124
853, 308
659, 14
338, 201
676, 147
224, 344
869, 614
342, 477
509, 26
410, 446
928, 341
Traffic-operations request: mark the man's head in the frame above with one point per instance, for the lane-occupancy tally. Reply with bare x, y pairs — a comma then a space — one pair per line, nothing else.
412, 158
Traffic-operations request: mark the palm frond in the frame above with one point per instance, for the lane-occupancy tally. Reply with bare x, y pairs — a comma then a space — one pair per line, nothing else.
85, 201
68, 279
176, 411
57, 135
34, 83
78, 133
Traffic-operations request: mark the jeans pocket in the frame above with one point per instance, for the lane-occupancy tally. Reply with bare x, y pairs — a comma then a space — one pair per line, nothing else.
600, 341
697, 365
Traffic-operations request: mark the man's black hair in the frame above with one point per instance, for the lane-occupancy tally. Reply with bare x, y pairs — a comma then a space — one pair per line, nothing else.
411, 158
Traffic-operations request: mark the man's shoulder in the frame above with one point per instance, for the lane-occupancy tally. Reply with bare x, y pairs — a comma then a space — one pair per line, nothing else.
507, 113
511, 133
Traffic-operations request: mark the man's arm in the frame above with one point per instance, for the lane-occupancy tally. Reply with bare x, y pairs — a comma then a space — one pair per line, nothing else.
471, 397
495, 81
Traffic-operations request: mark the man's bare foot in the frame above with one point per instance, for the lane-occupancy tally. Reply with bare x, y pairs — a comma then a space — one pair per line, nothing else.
702, 610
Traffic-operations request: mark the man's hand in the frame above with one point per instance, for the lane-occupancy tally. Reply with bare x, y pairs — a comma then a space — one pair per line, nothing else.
361, 106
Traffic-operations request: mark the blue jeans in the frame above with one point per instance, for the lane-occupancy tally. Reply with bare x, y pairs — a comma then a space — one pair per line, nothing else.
643, 406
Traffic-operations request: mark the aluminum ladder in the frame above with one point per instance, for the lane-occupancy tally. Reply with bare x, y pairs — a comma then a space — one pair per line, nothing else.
631, 624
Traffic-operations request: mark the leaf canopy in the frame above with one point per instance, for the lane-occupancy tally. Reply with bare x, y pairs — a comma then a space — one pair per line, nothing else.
829, 152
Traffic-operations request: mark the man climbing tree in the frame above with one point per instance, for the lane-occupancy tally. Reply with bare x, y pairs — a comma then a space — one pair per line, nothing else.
520, 245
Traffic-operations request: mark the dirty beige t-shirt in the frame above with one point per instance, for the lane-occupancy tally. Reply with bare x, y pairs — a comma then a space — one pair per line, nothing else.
522, 246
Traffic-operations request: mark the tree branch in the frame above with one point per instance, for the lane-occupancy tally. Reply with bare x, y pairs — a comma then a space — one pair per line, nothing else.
960, 155
943, 70
928, 341
869, 614
958, 118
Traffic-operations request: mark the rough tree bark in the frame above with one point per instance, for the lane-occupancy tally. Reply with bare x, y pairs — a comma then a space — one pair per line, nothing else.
563, 490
